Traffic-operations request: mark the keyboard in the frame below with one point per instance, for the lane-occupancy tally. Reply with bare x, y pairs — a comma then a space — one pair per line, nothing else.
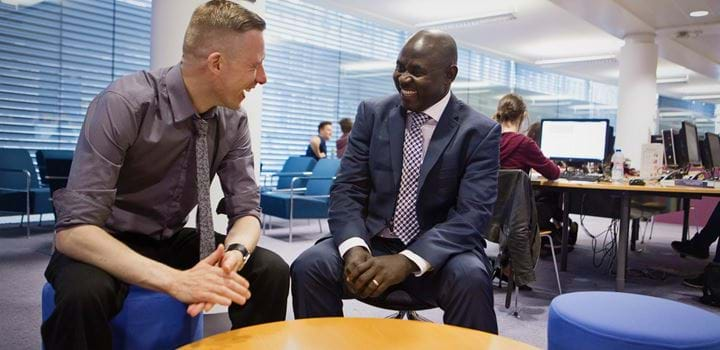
581, 177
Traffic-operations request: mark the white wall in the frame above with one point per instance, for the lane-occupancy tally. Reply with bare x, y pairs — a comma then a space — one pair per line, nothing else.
169, 20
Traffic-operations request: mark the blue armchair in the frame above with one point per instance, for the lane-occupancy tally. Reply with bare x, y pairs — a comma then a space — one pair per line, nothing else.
20, 190
294, 166
309, 202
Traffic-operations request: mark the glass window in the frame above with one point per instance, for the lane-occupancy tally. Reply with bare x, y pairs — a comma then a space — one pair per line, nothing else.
55, 56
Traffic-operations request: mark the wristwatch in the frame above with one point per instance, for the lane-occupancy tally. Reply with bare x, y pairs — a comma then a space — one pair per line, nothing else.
241, 248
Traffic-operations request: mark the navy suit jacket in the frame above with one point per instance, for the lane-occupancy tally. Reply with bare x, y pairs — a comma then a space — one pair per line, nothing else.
457, 185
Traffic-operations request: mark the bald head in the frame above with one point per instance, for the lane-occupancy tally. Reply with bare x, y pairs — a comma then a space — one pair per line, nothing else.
426, 66
433, 43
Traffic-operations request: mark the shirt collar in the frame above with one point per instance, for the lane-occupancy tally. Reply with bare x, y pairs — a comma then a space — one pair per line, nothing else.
435, 111
180, 102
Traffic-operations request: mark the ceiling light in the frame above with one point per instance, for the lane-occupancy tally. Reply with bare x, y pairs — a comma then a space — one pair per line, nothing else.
471, 84
593, 107
467, 21
675, 114
536, 98
17, 3
699, 13
549, 104
701, 97
367, 66
575, 59
672, 80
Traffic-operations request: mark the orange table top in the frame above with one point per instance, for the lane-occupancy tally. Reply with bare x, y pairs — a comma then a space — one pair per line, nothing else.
356, 333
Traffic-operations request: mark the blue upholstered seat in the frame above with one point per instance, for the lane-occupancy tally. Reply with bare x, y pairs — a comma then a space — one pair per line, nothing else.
309, 202
148, 320
612, 320
293, 167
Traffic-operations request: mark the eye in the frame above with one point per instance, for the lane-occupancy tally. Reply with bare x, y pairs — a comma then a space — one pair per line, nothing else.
416, 71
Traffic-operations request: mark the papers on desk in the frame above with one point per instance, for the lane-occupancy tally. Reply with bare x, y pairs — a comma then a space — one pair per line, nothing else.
534, 176
690, 183
651, 165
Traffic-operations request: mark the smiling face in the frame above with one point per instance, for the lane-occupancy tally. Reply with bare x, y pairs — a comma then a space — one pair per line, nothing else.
424, 70
241, 68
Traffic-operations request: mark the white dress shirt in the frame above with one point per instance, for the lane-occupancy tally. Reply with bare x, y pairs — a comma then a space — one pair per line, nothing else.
435, 112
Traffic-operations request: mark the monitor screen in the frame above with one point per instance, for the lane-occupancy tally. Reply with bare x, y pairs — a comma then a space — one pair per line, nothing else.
713, 141
574, 140
691, 142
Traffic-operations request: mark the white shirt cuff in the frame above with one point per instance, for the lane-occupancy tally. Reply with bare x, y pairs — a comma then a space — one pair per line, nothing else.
421, 263
351, 243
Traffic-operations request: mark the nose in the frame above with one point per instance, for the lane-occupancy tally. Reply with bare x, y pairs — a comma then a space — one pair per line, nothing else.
405, 78
260, 76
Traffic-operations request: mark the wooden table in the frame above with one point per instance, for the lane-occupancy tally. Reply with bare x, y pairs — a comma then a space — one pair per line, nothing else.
334, 333
624, 192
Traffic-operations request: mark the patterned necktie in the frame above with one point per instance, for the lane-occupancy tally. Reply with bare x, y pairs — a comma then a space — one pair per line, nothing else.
405, 222
204, 211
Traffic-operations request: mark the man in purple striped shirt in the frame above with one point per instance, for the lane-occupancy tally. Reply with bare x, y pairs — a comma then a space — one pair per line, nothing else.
120, 221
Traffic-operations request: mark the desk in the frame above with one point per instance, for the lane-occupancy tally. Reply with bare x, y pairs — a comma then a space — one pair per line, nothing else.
624, 192
333, 333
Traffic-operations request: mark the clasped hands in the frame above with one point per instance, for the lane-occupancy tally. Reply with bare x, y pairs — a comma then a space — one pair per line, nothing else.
369, 276
213, 280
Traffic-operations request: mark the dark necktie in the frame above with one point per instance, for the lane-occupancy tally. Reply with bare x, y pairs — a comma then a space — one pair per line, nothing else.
204, 211
405, 222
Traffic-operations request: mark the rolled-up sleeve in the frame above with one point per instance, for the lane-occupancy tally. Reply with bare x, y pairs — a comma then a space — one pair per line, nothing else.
109, 129
237, 176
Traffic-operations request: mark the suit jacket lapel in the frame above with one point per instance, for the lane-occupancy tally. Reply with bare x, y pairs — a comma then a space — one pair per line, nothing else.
444, 132
396, 131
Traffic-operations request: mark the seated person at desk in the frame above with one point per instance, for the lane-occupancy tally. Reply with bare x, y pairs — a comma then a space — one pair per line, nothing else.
317, 148
518, 151
699, 246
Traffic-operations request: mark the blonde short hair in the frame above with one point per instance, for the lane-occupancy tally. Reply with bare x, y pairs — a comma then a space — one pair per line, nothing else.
210, 21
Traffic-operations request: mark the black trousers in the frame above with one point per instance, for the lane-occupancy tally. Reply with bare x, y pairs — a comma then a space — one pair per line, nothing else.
461, 287
87, 298
710, 233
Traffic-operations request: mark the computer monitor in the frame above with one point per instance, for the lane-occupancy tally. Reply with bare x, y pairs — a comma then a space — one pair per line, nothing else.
711, 151
686, 146
574, 140
610, 145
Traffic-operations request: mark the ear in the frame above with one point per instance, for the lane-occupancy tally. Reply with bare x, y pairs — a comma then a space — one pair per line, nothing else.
214, 61
452, 72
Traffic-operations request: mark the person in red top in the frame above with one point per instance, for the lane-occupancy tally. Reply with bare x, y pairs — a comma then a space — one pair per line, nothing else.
518, 151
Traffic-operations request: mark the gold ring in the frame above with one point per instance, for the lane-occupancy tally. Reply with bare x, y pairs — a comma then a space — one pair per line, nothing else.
376, 283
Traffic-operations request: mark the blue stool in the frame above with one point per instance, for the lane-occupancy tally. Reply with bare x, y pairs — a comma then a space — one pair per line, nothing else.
612, 320
148, 320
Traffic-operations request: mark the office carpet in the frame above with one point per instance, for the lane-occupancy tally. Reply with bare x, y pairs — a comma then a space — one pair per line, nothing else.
653, 270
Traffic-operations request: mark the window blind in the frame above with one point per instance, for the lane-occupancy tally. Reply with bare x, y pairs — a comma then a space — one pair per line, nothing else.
56, 56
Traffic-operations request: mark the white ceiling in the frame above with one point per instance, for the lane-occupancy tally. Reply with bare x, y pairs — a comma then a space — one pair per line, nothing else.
548, 29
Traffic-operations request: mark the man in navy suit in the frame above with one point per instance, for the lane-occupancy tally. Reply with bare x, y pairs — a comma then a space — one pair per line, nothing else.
413, 196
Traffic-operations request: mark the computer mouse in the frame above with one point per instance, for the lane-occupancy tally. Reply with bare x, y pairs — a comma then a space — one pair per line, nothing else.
637, 182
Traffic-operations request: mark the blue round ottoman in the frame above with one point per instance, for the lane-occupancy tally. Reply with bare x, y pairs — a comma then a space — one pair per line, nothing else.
612, 320
148, 320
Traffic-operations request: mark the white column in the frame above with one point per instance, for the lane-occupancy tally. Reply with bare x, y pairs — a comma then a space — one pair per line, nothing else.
637, 100
169, 21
